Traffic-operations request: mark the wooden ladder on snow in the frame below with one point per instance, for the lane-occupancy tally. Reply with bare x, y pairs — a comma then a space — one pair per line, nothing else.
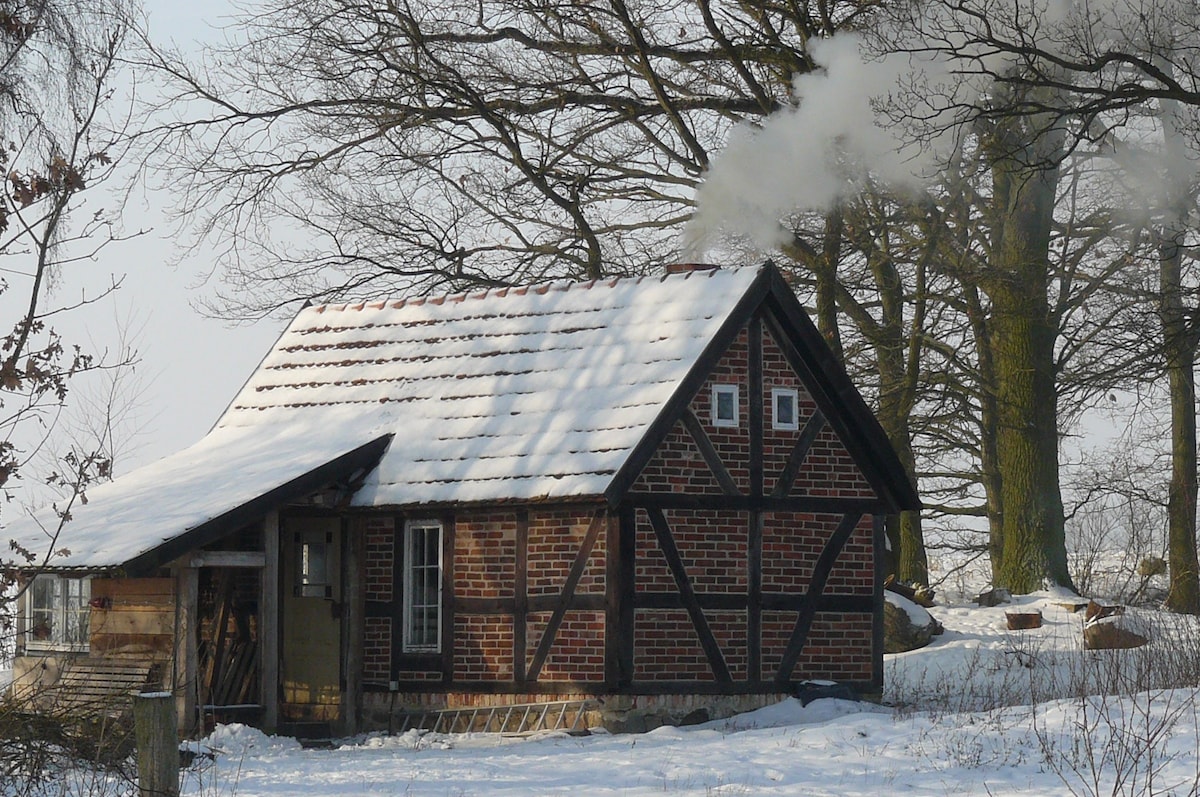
514, 719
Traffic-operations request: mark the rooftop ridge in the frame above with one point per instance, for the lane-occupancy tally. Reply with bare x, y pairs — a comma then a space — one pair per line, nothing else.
541, 289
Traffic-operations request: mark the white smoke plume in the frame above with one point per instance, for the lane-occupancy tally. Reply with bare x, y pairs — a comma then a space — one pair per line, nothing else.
809, 156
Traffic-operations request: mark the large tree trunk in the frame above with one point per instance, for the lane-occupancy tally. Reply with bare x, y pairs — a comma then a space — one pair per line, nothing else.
989, 459
897, 355
825, 269
1180, 349
1179, 353
1022, 336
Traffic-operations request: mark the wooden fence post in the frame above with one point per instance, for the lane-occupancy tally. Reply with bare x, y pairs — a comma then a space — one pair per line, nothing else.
157, 744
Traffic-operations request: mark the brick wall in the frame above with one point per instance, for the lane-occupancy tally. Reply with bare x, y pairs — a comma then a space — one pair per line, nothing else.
778, 443
485, 555
733, 444
712, 546
485, 567
578, 650
678, 467
377, 649
832, 642
854, 571
666, 647
379, 545
729, 629
380, 550
483, 648
828, 470
555, 537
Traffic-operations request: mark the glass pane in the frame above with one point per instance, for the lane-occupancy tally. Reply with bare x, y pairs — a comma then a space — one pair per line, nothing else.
785, 409
41, 608
422, 587
314, 563
725, 405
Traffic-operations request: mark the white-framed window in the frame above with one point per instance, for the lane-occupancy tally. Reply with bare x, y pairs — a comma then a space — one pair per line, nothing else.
57, 613
422, 586
725, 406
784, 409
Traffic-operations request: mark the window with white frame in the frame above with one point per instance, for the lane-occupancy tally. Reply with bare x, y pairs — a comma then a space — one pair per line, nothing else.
57, 613
423, 586
725, 406
784, 402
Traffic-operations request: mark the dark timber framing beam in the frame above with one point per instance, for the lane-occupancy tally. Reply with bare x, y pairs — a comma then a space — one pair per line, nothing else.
708, 642
747, 503
449, 609
755, 368
626, 589
709, 452
816, 586
795, 460
754, 530
754, 598
564, 597
521, 598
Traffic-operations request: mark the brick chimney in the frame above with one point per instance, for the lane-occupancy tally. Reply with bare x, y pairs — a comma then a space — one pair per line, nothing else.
688, 268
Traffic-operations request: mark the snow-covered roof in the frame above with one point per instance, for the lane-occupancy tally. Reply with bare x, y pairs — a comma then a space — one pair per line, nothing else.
158, 503
508, 394
525, 393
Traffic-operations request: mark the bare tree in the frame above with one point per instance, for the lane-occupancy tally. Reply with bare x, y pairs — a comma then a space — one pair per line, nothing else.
503, 142
57, 62
465, 144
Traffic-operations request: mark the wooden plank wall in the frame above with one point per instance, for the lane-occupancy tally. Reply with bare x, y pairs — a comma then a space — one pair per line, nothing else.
133, 618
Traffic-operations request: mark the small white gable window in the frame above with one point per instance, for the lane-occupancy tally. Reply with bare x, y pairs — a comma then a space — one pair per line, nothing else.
784, 403
725, 406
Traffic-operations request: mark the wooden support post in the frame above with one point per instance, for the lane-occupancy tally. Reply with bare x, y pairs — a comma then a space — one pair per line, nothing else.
157, 744
353, 622
187, 656
268, 628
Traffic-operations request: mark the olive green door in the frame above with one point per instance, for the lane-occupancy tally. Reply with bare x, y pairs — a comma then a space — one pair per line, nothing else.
310, 670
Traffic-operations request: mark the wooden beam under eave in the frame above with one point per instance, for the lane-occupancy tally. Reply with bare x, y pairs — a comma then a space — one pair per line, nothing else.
268, 634
227, 559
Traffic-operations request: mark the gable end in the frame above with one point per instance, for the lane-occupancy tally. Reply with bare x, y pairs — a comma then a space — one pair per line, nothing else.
770, 304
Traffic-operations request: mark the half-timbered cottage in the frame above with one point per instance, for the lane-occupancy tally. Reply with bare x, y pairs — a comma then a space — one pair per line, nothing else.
656, 495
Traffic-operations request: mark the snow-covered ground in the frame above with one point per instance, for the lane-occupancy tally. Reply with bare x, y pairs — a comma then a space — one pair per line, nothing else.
961, 721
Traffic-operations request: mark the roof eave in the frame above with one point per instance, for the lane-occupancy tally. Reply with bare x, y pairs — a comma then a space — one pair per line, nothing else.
360, 460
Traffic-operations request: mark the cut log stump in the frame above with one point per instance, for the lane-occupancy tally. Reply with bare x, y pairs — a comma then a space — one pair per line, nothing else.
1023, 621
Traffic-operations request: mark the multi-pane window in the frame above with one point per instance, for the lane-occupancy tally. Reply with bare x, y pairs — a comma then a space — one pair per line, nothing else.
725, 405
57, 613
423, 586
783, 409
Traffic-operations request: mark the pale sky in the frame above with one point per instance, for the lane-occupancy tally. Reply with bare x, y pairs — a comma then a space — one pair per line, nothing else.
190, 366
